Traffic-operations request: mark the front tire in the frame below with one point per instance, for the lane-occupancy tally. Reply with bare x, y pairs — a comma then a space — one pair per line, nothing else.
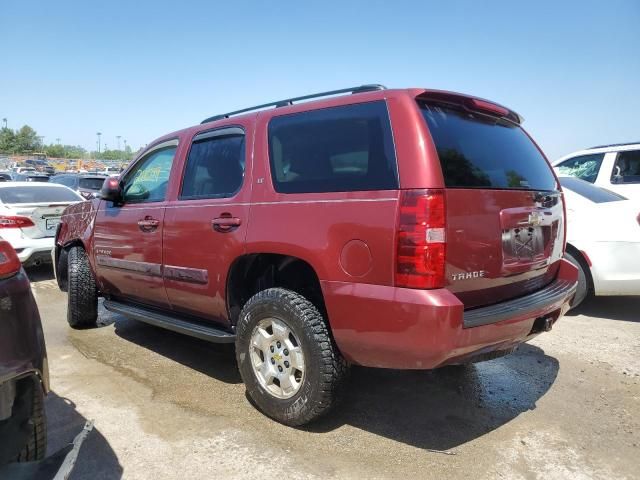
82, 296
288, 361
583, 290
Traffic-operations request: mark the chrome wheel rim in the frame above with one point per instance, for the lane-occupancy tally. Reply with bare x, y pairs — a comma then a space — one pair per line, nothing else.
277, 358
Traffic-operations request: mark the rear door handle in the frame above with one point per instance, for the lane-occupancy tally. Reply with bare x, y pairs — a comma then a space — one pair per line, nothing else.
148, 224
225, 224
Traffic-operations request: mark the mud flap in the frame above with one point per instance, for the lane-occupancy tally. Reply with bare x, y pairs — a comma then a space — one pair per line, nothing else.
55, 467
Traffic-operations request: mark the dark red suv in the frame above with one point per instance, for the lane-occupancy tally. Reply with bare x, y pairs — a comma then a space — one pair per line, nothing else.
387, 228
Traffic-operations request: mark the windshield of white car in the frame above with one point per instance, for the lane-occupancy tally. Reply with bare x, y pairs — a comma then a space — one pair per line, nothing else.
38, 194
589, 191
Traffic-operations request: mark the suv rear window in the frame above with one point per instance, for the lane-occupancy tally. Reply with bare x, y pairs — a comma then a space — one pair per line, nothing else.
91, 183
480, 151
38, 194
338, 149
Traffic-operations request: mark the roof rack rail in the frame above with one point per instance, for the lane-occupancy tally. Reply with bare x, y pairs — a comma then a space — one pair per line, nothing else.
289, 101
614, 145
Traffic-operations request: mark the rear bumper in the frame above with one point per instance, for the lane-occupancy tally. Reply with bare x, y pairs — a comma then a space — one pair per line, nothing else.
382, 326
31, 250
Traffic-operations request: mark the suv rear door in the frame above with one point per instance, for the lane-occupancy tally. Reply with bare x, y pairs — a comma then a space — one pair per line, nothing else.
504, 211
205, 227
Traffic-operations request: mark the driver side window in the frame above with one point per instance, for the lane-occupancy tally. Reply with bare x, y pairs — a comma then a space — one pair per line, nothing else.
148, 180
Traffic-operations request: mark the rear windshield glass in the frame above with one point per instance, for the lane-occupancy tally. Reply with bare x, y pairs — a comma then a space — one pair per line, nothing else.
479, 151
91, 183
336, 149
39, 194
589, 191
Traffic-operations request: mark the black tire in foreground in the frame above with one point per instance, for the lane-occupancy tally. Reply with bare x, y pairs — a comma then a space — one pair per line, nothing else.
319, 386
82, 308
584, 286
36, 446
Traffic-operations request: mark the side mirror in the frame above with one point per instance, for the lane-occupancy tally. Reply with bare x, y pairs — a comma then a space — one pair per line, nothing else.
111, 190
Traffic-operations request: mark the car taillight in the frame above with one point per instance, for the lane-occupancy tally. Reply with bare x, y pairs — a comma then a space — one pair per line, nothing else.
421, 242
10, 221
9, 261
638, 218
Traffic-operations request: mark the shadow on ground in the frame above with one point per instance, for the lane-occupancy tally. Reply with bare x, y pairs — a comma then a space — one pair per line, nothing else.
610, 308
96, 461
214, 360
40, 273
444, 408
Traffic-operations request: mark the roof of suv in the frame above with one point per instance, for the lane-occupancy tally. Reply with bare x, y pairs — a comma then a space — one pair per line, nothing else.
615, 147
332, 98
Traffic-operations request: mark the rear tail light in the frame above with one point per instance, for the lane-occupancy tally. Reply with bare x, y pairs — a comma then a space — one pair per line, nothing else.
9, 261
10, 221
638, 218
421, 242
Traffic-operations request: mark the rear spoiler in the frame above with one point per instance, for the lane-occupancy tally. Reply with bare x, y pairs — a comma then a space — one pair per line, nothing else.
471, 103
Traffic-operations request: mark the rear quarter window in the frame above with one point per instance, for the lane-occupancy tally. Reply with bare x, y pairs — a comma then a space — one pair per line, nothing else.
346, 148
480, 151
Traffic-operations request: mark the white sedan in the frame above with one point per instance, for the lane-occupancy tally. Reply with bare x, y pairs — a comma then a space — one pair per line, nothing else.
29, 215
603, 239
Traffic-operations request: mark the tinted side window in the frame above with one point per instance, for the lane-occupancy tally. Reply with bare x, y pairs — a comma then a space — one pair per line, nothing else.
627, 167
148, 180
335, 149
585, 167
215, 167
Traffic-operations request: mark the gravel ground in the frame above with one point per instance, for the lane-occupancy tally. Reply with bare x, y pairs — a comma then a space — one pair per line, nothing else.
165, 406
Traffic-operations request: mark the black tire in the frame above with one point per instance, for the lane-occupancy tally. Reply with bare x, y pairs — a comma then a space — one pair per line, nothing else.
36, 447
584, 288
325, 368
82, 309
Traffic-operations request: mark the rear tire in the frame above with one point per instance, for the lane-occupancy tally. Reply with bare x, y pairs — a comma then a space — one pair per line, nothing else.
583, 289
36, 446
311, 375
82, 311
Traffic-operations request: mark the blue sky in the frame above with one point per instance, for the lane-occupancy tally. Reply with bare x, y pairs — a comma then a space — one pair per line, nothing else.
143, 68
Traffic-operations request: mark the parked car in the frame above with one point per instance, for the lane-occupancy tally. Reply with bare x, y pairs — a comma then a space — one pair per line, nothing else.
614, 167
405, 229
5, 177
24, 374
87, 185
29, 216
25, 170
607, 255
30, 177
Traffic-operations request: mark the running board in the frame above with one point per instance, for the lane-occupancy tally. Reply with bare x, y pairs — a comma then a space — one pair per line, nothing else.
203, 331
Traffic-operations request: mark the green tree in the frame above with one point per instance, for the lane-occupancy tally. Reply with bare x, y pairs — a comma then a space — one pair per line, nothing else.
7, 140
26, 139
74, 151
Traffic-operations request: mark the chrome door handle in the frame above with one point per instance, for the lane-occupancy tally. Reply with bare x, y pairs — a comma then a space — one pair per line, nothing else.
225, 224
148, 224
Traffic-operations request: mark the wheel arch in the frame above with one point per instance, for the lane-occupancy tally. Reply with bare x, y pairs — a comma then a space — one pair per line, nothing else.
61, 259
254, 272
579, 256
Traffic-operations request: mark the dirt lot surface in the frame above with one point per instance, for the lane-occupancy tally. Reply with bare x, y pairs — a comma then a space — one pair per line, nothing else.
165, 406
